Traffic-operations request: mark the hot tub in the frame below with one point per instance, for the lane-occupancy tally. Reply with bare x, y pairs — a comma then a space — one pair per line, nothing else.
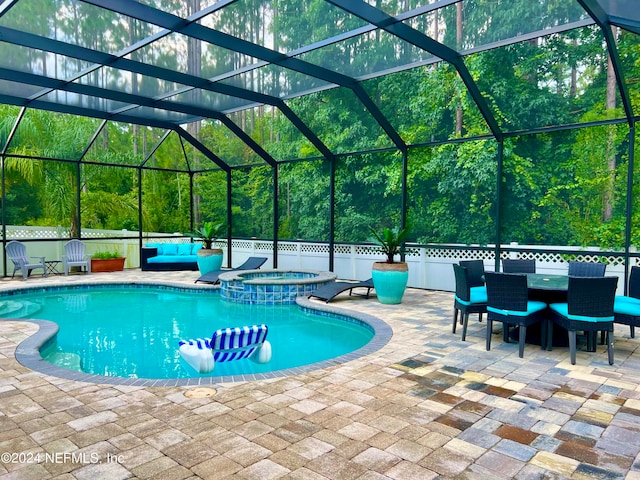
271, 287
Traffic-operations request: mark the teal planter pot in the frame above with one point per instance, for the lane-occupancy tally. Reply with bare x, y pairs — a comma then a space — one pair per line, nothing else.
209, 260
390, 281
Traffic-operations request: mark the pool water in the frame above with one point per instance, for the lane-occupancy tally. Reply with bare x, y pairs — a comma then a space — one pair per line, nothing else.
133, 331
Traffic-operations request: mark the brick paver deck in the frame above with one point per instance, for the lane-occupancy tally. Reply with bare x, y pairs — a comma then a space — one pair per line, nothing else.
424, 406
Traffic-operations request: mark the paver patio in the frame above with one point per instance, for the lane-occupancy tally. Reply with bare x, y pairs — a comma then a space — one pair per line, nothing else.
424, 406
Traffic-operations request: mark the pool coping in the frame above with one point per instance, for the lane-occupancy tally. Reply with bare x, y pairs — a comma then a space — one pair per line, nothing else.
316, 276
28, 351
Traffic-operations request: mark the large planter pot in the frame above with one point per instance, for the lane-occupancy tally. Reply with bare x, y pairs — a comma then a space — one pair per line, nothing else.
209, 259
390, 281
107, 264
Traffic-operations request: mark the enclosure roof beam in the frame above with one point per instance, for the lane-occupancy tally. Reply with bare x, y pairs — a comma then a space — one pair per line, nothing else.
200, 32
250, 142
149, 40
33, 41
156, 146
84, 112
594, 9
395, 27
137, 100
93, 139
197, 144
6, 6
31, 79
14, 129
24, 39
306, 131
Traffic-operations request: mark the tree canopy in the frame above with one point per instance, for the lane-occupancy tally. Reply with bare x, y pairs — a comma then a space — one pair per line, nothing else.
563, 150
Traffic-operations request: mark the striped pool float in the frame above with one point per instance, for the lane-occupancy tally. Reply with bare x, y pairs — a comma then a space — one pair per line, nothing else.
227, 344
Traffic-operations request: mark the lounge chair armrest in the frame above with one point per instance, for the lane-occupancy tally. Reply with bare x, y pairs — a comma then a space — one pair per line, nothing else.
146, 253
39, 258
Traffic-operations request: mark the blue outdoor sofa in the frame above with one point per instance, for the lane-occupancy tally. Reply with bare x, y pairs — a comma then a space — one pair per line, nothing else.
169, 256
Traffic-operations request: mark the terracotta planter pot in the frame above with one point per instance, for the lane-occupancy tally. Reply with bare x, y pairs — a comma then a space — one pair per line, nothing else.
390, 281
107, 264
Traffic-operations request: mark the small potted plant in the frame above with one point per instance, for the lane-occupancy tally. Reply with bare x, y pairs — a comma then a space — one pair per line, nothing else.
209, 258
107, 261
390, 277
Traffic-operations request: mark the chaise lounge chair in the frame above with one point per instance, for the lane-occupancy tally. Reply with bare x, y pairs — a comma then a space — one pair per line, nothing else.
227, 344
252, 263
330, 290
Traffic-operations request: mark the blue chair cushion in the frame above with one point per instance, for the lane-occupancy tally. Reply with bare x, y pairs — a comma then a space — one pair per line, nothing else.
563, 309
184, 249
173, 259
476, 295
195, 247
625, 307
532, 307
632, 300
169, 249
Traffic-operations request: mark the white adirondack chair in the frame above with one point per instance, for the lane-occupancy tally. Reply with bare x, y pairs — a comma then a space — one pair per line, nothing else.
17, 253
75, 256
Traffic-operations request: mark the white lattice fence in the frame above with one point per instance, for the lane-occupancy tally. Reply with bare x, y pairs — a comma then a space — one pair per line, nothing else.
429, 266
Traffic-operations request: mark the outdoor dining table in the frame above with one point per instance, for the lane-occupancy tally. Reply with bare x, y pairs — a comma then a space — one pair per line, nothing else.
547, 288
547, 282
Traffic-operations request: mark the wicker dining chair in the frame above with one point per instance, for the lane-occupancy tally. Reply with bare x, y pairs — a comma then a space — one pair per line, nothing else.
508, 302
467, 300
626, 308
586, 269
589, 308
475, 272
510, 265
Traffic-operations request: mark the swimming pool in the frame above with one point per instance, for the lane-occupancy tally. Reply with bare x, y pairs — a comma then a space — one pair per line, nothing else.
132, 331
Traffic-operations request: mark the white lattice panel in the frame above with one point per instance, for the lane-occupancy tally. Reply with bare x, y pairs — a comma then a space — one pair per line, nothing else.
412, 252
287, 247
459, 254
314, 248
242, 244
367, 250
342, 249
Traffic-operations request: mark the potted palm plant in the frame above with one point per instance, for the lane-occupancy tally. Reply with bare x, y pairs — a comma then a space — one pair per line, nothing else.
390, 277
209, 258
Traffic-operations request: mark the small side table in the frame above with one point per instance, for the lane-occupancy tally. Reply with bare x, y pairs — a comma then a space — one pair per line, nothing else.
52, 267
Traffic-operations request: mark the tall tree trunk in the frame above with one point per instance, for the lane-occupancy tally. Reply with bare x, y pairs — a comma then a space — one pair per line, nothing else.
436, 30
610, 152
573, 88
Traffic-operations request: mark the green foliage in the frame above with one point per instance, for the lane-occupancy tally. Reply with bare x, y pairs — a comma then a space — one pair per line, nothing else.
106, 254
207, 233
567, 187
391, 240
